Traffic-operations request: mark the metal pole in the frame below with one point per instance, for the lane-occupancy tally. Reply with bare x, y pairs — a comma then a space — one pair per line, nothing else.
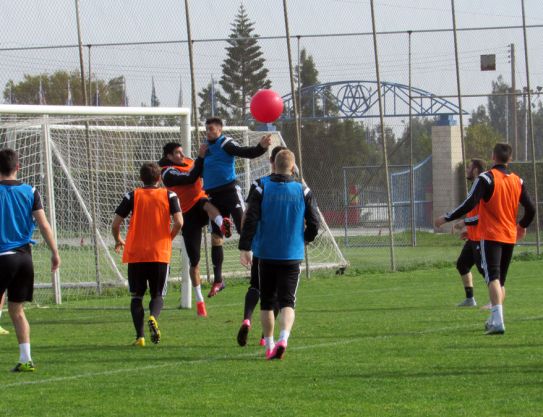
185, 286
50, 189
81, 62
90, 76
94, 228
385, 156
296, 114
346, 205
458, 86
293, 92
299, 88
534, 165
411, 170
514, 103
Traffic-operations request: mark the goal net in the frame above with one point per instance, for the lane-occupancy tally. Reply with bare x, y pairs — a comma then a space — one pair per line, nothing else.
83, 160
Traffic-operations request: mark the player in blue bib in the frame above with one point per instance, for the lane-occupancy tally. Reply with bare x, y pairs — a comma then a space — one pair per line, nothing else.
20, 205
222, 188
282, 216
253, 293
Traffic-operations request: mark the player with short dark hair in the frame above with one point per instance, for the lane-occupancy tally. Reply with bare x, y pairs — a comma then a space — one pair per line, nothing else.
221, 186
282, 213
253, 293
498, 193
20, 205
470, 254
182, 175
148, 245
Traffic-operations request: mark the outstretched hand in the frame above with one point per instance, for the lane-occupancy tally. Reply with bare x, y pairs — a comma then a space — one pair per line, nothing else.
440, 221
266, 141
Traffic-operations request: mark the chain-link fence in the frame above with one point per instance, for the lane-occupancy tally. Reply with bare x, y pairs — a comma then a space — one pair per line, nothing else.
136, 54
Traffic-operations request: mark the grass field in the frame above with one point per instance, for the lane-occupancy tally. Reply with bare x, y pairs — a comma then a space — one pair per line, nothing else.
372, 344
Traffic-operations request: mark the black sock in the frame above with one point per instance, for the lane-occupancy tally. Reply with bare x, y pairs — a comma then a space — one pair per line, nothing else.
469, 292
136, 308
155, 306
251, 300
217, 257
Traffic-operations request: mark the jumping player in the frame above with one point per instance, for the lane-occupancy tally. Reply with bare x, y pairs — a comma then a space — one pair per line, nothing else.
182, 175
498, 193
19, 204
253, 293
282, 214
148, 245
221, 186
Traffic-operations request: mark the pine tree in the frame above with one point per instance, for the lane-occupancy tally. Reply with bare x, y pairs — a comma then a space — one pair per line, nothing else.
243, 69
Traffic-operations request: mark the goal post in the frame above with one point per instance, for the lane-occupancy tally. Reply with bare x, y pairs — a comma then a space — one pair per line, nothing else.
53, 143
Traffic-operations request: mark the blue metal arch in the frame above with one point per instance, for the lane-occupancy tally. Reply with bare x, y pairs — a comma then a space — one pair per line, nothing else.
359, 99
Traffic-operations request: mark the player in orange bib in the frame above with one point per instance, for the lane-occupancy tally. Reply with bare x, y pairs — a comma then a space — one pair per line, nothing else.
470, 254
183, 176
498, 193
148, 245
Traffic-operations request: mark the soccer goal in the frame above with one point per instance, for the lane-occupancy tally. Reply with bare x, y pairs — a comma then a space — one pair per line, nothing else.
83, 160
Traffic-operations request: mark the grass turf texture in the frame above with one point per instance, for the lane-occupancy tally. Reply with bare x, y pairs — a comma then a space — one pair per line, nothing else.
363, 344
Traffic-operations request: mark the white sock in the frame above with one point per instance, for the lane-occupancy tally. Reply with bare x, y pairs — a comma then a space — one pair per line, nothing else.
497, 314
198, 293
0, 313
283, 335
269, 343
24, 353
218, 220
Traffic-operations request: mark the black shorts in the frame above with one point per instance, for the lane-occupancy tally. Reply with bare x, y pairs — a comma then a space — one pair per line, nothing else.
470, 256
495, 260
278, 283
229, 202
193, 221
17, 274
154, 273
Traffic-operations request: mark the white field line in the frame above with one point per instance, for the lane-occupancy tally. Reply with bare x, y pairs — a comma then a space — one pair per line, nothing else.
243, 355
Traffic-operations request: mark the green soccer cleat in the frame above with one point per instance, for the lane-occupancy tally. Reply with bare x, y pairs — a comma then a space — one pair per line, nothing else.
24, 367
153, 328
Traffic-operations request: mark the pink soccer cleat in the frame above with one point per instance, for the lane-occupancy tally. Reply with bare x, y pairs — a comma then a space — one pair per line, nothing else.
278, 351
226, 228
215, 289
201, 309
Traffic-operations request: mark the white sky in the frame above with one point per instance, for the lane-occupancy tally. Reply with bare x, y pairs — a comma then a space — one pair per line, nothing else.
52, 22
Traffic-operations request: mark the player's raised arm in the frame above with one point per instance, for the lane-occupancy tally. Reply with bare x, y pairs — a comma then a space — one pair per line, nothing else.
233, 148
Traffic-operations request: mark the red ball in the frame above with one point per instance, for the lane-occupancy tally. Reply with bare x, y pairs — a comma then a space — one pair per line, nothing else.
266, 106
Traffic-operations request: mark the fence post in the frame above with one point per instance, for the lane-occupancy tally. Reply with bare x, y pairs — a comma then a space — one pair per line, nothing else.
50, 193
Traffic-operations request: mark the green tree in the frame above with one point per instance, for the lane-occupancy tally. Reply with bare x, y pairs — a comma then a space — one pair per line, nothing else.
243, 71
480, 140
55, 87
422, 142
498, 108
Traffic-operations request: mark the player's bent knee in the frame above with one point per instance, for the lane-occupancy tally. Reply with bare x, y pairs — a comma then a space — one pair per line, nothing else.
216, 240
